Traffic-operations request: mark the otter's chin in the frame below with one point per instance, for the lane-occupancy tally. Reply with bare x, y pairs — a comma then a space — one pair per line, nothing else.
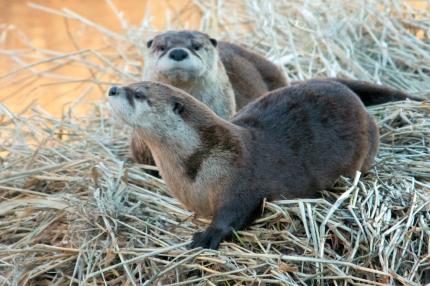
121, 110
179, 75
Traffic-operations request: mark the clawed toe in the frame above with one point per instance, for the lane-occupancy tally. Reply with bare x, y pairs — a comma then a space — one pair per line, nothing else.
210, 238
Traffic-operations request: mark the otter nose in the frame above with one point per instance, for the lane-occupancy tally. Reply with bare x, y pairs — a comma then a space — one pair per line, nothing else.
114, 90
178, 55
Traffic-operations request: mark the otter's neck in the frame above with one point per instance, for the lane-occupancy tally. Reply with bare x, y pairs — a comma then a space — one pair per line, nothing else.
213, 88
194, 165
215, 91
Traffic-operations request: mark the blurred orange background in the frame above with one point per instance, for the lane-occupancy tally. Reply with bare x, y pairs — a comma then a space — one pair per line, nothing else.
49, 31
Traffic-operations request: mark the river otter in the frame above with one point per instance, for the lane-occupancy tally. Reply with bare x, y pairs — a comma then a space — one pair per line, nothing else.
222, 75
225, 76
290, 143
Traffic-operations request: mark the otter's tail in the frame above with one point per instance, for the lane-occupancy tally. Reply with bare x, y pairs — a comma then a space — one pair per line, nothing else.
372, 94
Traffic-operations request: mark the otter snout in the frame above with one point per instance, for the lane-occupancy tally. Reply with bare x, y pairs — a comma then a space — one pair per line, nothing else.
178, 54
122, 103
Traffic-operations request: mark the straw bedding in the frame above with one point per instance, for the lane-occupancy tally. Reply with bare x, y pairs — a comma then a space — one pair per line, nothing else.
75, 210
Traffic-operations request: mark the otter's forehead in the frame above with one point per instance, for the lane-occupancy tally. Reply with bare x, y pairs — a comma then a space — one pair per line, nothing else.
155, 89
146, 86
137, 88
181, 37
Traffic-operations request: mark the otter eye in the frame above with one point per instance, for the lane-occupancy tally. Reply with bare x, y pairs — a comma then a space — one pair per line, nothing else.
149, 43
197, 47
213, 42
139, 96
161, 48
178, 107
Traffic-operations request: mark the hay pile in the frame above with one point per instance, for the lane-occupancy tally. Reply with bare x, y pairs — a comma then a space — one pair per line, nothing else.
74, 210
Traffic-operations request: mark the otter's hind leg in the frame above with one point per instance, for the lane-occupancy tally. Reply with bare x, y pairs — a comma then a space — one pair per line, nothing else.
234, 214
373, 132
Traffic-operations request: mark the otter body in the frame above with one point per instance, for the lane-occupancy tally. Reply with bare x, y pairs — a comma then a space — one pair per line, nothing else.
290, 143
222, 75
225, 76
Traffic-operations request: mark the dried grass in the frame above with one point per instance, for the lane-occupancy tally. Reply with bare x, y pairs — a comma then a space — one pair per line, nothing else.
74, 210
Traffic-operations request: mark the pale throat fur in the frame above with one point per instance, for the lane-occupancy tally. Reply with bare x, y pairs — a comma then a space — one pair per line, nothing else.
197, 161
210, 85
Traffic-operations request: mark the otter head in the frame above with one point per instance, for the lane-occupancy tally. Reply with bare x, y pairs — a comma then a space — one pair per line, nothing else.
179, 57
161, 112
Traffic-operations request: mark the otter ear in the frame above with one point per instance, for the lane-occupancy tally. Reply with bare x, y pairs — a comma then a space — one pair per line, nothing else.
213, 42
178, 107
149, 43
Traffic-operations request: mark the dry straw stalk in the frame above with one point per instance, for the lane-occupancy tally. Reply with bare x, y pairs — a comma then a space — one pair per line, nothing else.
75, 211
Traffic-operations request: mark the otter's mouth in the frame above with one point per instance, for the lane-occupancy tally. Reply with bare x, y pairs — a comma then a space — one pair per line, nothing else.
179, 68
180, 74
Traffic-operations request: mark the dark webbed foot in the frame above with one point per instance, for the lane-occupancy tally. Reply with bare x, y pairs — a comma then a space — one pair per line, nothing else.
234, 214
210, 238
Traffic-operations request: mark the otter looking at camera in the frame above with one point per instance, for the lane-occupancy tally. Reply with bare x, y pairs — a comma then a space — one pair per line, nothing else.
190, 61
290, 143
222, 75
226, 76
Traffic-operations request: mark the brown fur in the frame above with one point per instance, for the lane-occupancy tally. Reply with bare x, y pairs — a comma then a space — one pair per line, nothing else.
372, 94
291, 143
250, 74
213, 138
139, 151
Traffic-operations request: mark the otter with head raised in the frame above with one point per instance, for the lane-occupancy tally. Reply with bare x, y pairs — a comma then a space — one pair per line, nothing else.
290, 143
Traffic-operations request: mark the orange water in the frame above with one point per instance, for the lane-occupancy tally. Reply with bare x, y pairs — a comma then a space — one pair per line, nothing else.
48, 31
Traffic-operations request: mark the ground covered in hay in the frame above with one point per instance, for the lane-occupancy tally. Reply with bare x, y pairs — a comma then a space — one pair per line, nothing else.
75, 210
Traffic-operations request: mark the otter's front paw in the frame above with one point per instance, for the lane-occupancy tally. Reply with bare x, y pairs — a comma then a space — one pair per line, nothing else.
210, 238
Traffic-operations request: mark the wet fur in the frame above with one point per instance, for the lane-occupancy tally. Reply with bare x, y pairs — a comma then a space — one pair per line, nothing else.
290, 143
